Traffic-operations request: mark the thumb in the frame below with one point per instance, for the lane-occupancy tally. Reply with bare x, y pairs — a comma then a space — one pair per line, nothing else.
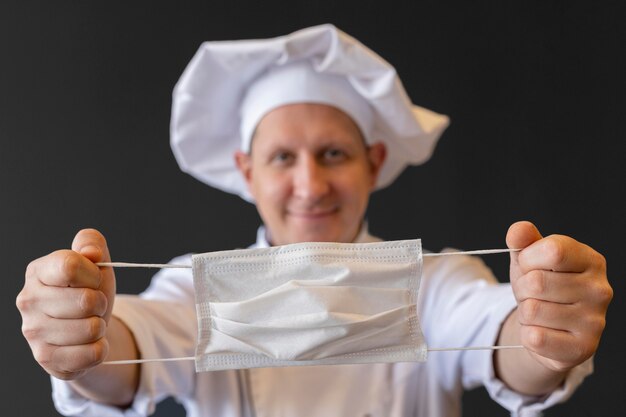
92, 245
519, 236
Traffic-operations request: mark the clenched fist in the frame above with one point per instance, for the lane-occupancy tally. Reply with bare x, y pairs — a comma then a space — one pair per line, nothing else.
562, 294
66, 306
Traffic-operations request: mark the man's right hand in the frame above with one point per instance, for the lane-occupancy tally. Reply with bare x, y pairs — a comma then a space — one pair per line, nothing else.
66, 306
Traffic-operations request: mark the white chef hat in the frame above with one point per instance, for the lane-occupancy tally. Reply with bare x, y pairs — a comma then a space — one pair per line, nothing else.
229, 86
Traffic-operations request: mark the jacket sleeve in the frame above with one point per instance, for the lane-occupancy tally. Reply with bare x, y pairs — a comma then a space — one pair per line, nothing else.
464, 305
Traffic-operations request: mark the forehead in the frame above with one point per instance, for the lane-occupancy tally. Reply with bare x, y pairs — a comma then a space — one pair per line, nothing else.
310, 123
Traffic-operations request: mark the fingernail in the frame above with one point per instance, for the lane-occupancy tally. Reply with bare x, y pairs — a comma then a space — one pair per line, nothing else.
89, 249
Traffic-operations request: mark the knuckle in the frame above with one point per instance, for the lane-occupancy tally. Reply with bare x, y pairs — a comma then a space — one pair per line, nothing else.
529, 310
24, 301
71, 266
43, 356
598, 259
97, 352
95, 328
87, 302
603, 293
92, 302
104, 304
535, 338
555, 250
30, 332
598, 292
100, 303
536, 282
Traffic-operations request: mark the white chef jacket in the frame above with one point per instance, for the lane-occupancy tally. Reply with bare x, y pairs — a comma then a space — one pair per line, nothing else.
460, 303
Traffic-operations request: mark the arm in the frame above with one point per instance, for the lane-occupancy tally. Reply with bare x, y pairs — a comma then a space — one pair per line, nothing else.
562, 294
66, 306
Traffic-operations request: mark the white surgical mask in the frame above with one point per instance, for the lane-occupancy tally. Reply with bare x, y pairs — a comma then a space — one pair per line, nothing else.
308, 304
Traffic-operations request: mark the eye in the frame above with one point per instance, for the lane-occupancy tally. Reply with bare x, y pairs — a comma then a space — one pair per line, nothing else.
281, 158
334, 155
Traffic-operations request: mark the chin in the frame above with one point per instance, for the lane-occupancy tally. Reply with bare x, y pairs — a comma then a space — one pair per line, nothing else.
314, 236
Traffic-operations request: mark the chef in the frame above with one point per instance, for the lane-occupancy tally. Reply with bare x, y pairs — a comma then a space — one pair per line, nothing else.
306, 126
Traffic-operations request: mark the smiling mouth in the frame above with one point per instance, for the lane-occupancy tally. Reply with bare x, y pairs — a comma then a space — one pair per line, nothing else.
313, 215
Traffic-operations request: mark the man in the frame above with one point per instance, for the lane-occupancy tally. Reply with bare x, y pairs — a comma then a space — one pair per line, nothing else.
307, 126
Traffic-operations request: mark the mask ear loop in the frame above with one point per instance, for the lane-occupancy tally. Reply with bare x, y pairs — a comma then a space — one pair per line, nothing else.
172, 266
193, 358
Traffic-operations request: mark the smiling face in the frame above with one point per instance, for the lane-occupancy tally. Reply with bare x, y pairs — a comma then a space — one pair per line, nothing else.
310, 173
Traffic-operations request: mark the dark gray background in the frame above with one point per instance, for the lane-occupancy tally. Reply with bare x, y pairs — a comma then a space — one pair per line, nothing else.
534, 90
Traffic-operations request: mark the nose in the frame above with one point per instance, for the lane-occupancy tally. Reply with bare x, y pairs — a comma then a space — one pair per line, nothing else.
310, 180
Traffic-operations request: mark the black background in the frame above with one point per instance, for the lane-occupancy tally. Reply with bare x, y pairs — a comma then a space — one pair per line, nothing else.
534, 89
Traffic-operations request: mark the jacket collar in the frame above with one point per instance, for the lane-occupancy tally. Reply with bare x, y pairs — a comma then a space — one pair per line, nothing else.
263, 238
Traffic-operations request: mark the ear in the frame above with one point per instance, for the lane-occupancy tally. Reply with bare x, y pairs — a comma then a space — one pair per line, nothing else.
376, 154
244, 165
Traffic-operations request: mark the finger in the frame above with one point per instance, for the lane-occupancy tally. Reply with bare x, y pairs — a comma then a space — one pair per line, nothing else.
557, 287
582, 323
564, 348
65, 268
557, 253
70, 332
519, 236
533, 312
66, 361
71, 303
91, 244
